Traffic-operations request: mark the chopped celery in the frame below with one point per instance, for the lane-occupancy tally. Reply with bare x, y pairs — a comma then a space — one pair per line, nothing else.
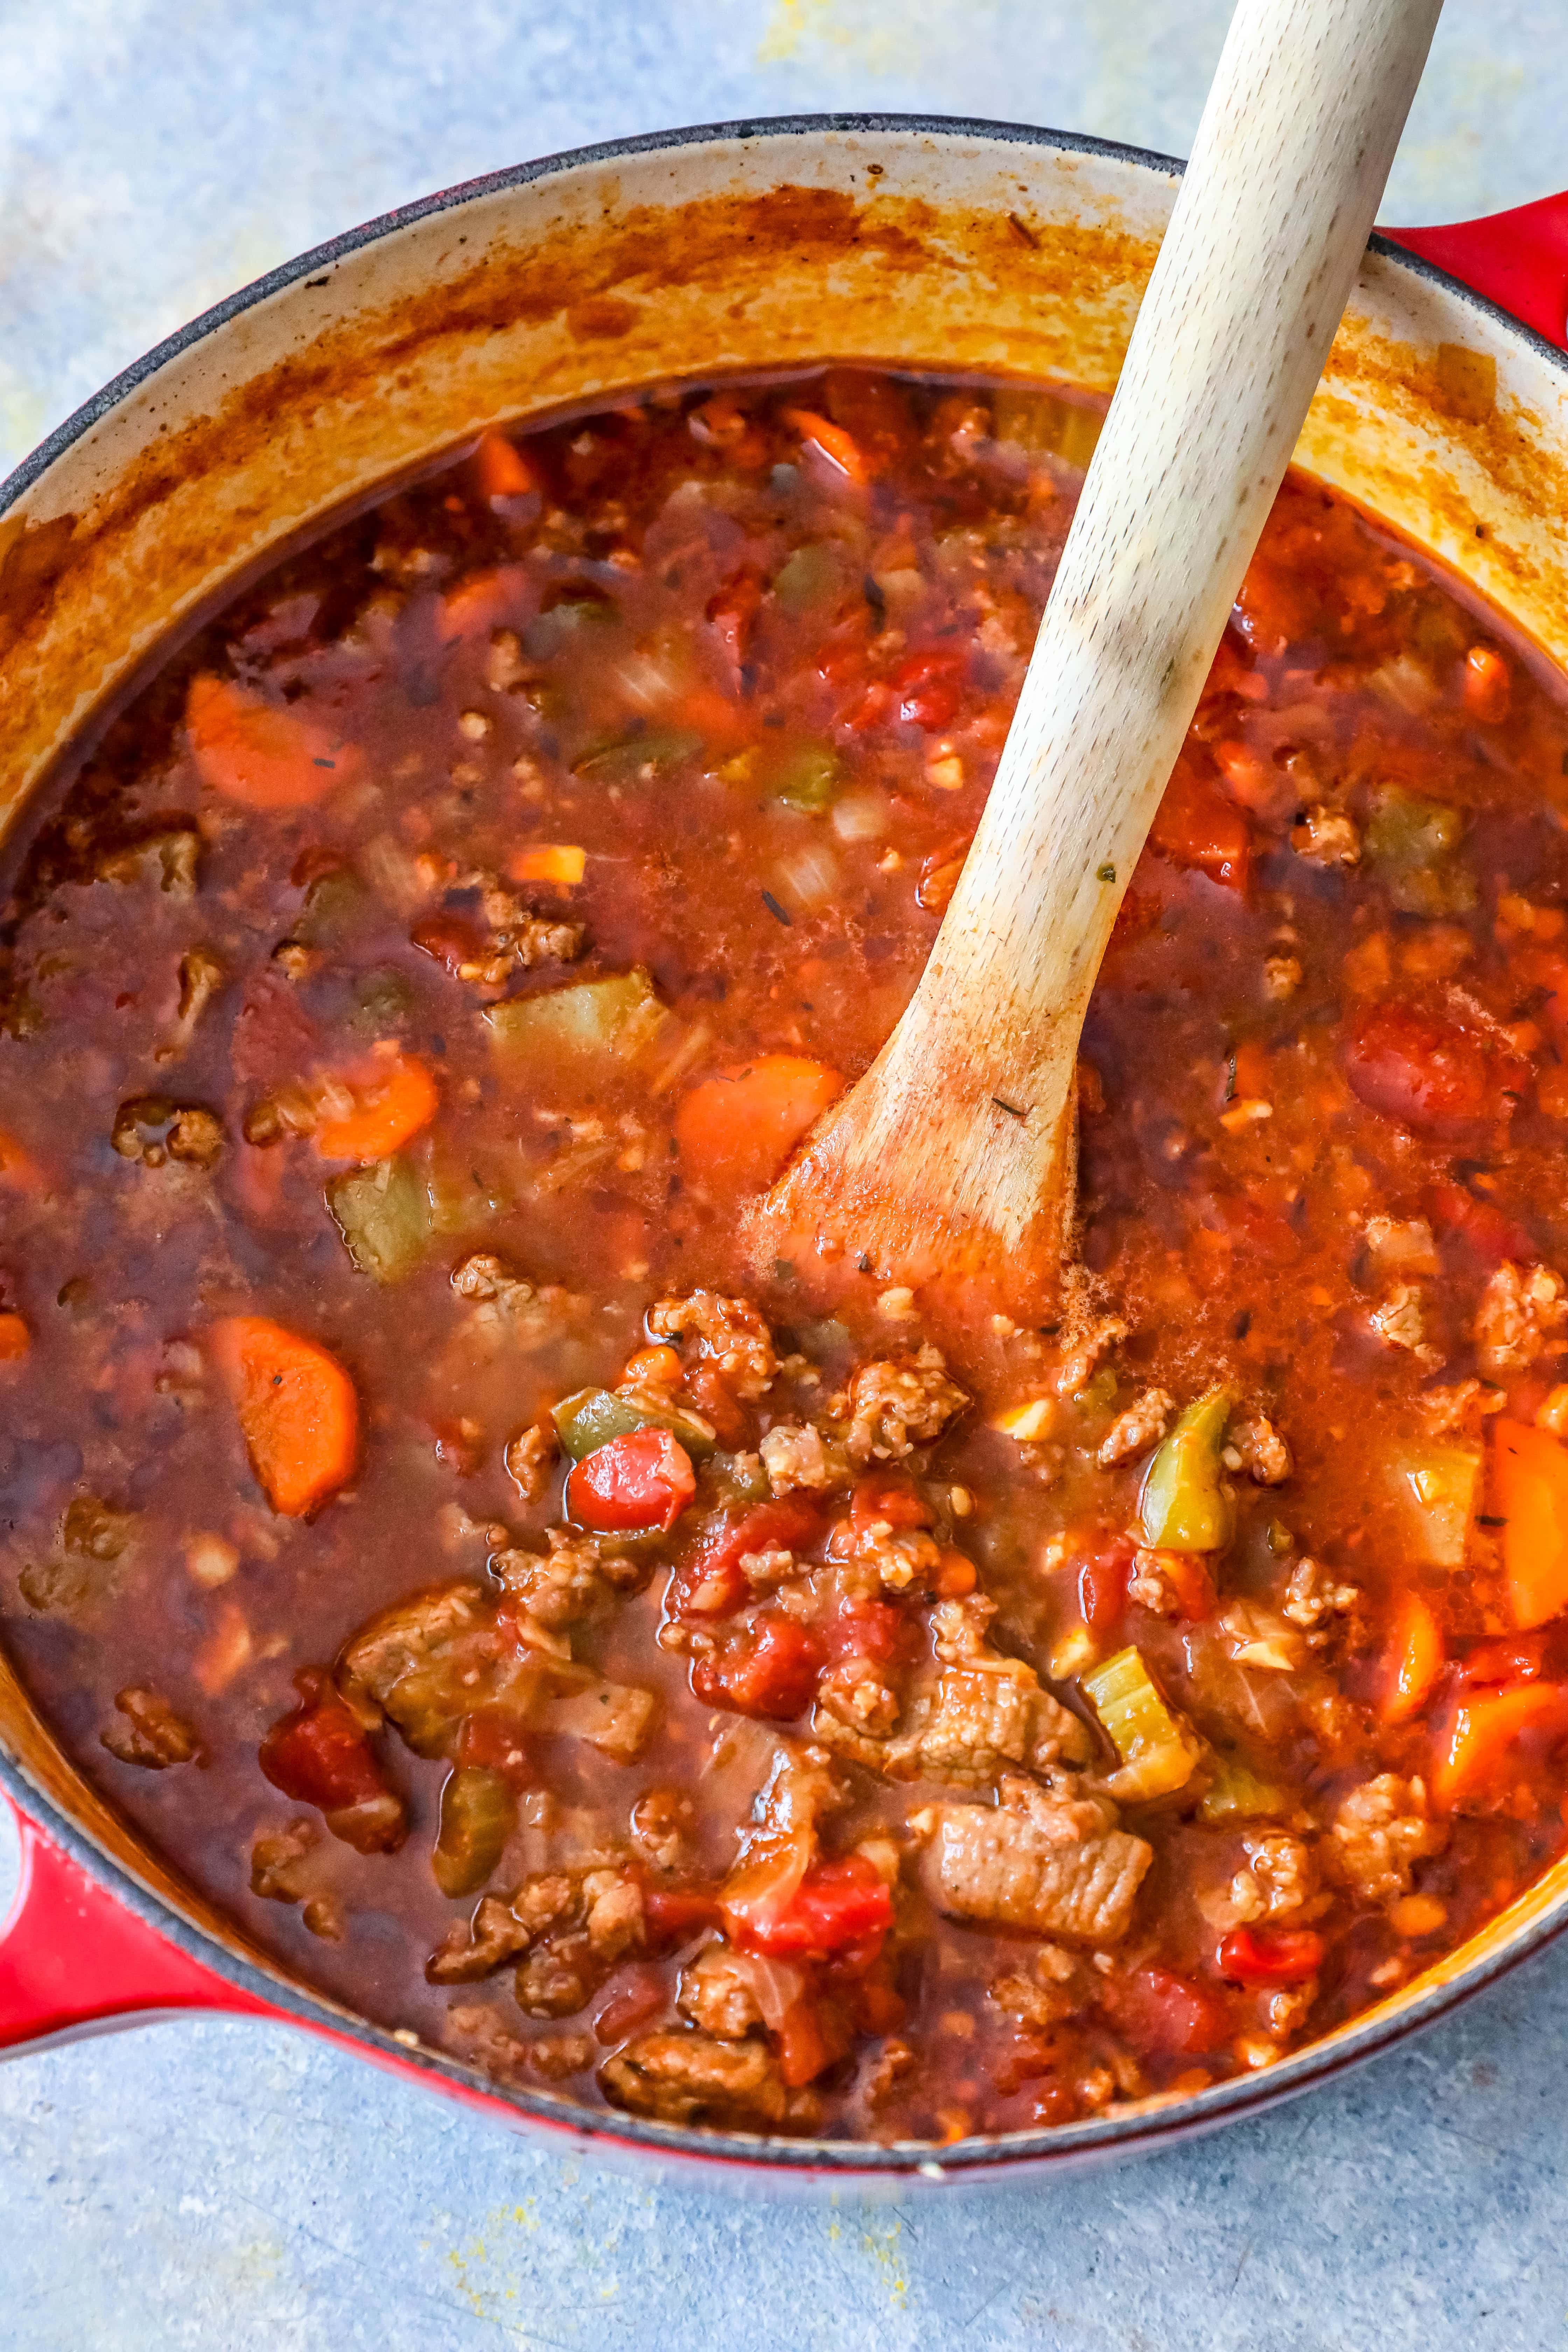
336, 904
1438, 1486
1237, 1794
812, 575
1158, 1752
594, 1019
1410, 841
383, 998
551, 631
1045, 424
1185, 1503
479, 1813
384, 1215
638, 757
739, 1478
464, 1199
593, 1416
807, 777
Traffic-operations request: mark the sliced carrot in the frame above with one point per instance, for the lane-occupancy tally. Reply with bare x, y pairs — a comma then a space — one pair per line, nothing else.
1482, 1728
502, 470
18, 1165
388, 1111
297, 1408
14, 1338
803, 2050
265, 755
548, 861
1415, 1659
738, 1129
481, 602
841, 449
1488, 684
1530, 1491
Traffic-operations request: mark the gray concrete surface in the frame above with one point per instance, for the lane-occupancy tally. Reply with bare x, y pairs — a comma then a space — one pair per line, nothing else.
216, 2185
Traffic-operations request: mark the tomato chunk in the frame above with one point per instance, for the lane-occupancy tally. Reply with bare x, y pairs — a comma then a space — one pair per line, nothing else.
1428, 1072
1195, 825
1162, 2013
837, 1906
1268, 1955
711, 1583
928, 686
1459, 1214
321, 1755
638, 1483
770, 1670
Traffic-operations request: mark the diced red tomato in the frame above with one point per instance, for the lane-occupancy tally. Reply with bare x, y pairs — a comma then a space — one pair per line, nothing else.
1458, 1215
710, 1583
640, 1993
1490, 1663
452, 940
769, 1670
838, 1906
734, 610
1197, 825
1102, 1587
873, 1629
639, 1482
497, 1739
1270, 1955
803, 2048
928, 688
890, 1498
1428, 1072
1162, 2013
671, 1915
321, 1755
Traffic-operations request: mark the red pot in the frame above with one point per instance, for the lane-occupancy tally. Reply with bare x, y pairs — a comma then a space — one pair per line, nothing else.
933, 244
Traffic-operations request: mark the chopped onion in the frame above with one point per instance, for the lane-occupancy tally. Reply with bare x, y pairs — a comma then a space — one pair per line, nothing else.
773, 1985
860, 816
809, 875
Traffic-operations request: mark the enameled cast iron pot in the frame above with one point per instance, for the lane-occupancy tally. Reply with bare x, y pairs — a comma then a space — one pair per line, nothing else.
939, 244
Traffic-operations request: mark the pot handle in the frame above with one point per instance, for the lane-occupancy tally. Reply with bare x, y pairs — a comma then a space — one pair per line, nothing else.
75, 1960
1518, 259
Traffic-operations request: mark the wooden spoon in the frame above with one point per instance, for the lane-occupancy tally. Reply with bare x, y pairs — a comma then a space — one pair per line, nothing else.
956, 1153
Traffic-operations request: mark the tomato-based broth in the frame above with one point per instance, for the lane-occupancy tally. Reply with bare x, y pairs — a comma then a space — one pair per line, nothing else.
685, 1683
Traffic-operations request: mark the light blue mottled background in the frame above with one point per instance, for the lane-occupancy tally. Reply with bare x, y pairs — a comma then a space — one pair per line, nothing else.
238, 2187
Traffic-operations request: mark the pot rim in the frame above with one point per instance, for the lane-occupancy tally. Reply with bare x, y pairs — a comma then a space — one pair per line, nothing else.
1142, 2129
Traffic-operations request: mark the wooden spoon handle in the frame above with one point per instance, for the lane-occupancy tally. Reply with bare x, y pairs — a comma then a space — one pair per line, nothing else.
968, 1110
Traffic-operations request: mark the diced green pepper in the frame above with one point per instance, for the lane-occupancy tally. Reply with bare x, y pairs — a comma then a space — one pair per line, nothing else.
1237, 1794
593, 1416
739, 1478
478, 1814
806, 776
1158, 1753
1045, 424
595, 1020
1438, 1486
812, 575
1184, 1505
1411, 843
638, 757
384, 1215
336, 904
550, 632
383, 997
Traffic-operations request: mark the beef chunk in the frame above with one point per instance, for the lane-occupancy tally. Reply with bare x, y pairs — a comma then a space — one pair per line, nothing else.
694, 2078
1133, 1432
1522, 1316
716, 1994
428, 1662
729, 1332
902, 1403
1380, 1830
1003, 1865
151, 1735
574, 1580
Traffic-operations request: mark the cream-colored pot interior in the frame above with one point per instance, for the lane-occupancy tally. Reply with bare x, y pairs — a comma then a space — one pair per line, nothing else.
941, 248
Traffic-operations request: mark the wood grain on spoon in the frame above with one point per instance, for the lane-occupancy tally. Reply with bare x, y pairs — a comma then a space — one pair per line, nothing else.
955, 1154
